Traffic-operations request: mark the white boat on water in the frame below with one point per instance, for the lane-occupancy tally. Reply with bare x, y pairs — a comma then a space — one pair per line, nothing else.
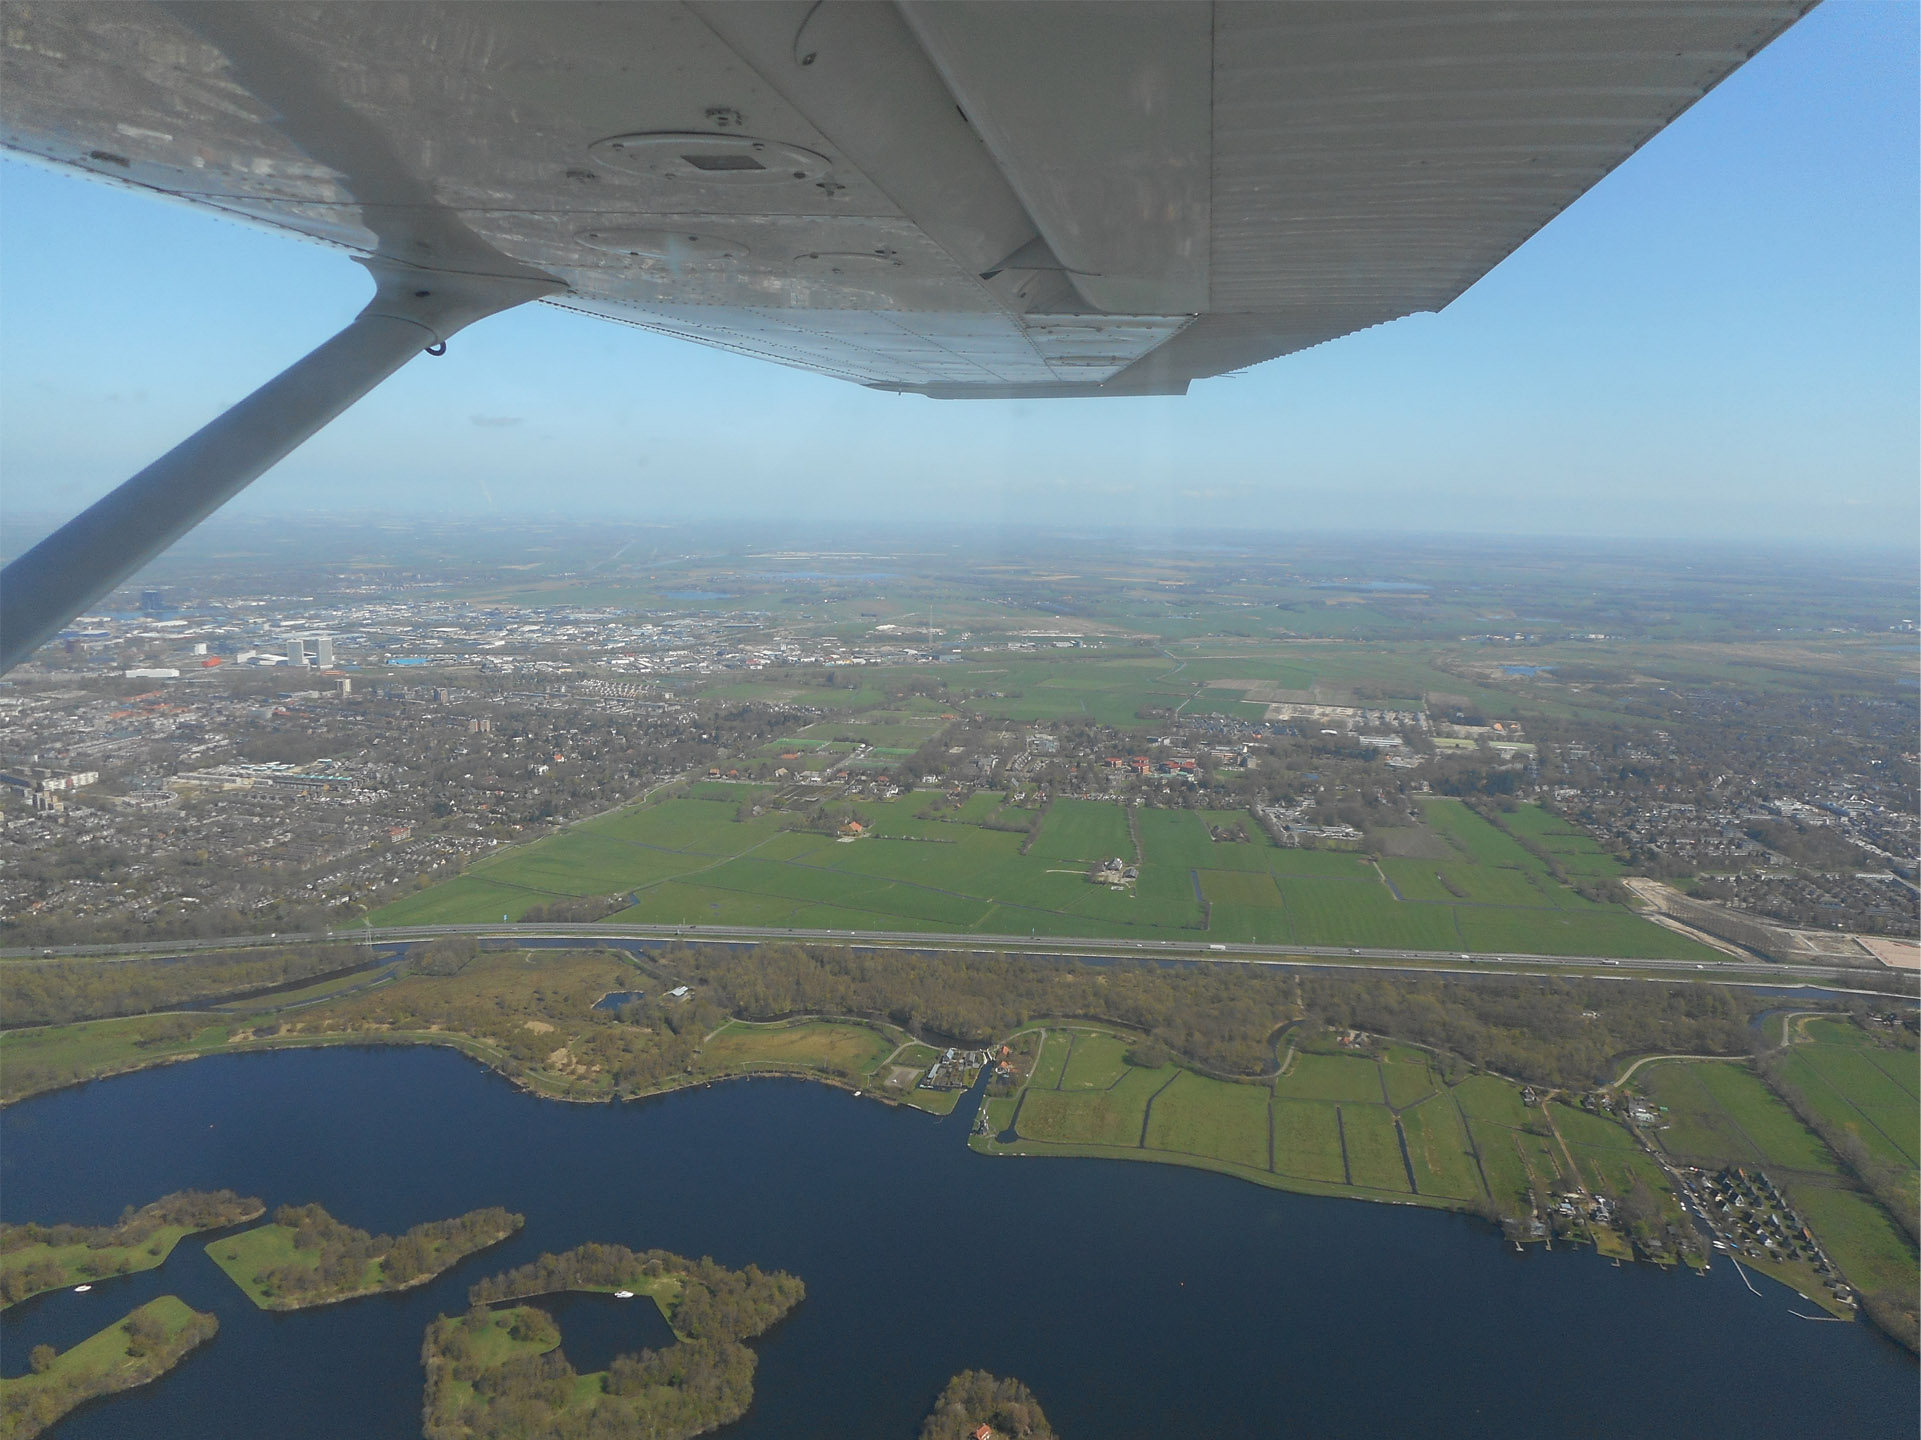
623, 1294
81, 1289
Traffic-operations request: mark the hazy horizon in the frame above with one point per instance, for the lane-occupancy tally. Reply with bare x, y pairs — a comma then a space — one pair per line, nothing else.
1718, 342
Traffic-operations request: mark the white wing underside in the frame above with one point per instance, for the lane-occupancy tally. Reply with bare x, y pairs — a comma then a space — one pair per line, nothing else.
958, 199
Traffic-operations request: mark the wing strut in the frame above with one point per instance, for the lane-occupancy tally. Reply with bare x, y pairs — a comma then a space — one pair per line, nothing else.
412, 310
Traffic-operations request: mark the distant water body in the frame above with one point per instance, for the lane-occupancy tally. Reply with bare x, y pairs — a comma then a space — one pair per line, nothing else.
1138, 1300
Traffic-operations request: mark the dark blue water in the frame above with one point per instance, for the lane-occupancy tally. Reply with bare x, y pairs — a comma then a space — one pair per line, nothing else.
1138, 1300
594, 1328
614, 999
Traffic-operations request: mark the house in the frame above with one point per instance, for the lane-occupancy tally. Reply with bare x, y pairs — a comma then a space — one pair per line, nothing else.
981, 1432
853, 827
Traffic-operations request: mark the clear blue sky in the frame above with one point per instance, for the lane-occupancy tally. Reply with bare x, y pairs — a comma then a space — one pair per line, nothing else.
1720, 340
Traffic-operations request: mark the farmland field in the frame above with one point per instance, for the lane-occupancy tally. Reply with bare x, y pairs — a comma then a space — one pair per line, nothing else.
1373, 1148
1331, 1077
1112, 1117
1307, 1142
1198, 1116
1438, 1146
685, 860
1095, 1061
833, 1047
1865, 1091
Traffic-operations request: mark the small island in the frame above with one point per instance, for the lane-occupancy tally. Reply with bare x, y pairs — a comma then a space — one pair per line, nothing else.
305, 1257
133, 1351
38, 1258
504, 1365
976, 1405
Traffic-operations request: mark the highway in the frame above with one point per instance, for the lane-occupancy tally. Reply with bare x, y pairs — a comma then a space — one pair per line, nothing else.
1746, 973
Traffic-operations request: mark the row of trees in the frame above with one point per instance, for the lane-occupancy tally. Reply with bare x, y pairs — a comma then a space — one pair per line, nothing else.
1223, 1018
1219, 1018
193, 1209
55, 992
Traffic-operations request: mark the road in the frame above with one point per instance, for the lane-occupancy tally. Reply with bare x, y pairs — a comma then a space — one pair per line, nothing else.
1746, 973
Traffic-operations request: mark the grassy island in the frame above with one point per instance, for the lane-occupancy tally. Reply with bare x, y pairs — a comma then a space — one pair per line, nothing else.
133, 1351
305, 1257
501, 1371
37, 1258
974, 1398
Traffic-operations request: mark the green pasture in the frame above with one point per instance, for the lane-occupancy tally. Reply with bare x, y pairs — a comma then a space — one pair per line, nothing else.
1096, 1060
1082, 832
1720, 1112
1863, 1092
1438, 1146
1307, 1142
50, 1055
1858, 1234
1334, 1123
1109, 1117
1373, 1148
1049, 1064
691, 861
825, 1046
251, 1256
1353, 1078
1198, 1116
1407, 1076
1516, 1157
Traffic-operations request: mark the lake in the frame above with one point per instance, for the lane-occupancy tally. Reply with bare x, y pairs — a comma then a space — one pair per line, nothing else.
1137, 1300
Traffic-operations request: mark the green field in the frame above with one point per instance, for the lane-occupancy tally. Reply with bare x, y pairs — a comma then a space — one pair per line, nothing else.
1438, 1146
1373, 1148
1860, 1087
1111, 1116
253, 1254
1096, 1060
1510, 1139
1332, 1077
1332, 1123
845, 1048
693, 861
1198, 1116
1307, 1142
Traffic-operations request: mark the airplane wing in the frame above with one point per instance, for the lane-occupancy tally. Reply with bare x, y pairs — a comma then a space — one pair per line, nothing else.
954, 198
950, 197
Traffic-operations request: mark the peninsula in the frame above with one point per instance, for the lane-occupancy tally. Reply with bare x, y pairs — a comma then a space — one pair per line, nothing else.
133, 1351
38, 1258
305, 1257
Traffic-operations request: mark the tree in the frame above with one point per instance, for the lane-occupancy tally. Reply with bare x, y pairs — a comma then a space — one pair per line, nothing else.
145, 1334
41, 1358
